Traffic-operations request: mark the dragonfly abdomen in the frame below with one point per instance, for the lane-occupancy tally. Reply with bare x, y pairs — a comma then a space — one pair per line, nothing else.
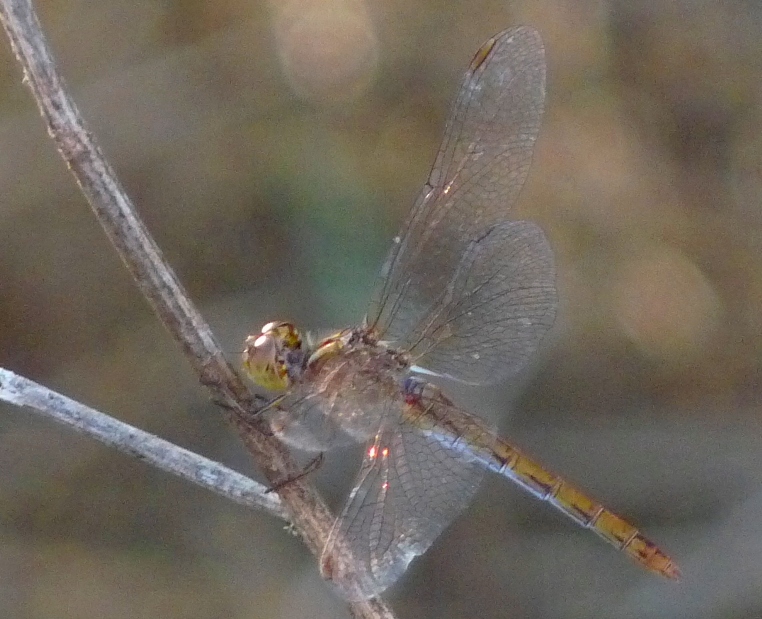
431, 412
585, 511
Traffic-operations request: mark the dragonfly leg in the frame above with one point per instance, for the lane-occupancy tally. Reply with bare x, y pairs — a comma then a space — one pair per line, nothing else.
251, 412
312, 466
272, 403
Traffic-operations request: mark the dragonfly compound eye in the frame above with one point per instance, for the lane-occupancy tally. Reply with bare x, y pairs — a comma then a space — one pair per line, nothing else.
263, 362
284, 334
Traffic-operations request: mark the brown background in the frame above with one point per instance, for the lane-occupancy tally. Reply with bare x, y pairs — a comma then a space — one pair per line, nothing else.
273, 150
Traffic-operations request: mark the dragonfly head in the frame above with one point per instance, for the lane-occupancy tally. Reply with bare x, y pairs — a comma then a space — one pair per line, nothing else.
268, 355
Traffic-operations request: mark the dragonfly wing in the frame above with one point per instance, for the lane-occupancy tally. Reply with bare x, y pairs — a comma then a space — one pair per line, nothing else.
410, 487
305, 422
476, 178
499, 305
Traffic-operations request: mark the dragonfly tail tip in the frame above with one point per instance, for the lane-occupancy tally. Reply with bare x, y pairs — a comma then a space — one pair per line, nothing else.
673, 572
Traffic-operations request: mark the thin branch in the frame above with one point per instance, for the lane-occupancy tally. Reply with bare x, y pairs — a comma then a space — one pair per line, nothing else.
114, 210
164, 455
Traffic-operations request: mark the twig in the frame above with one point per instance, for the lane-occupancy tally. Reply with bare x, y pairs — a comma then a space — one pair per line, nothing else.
162, 454
307, 511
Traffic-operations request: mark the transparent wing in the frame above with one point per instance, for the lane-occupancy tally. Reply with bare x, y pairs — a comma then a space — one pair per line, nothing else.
499, 305
312, 424
410, 487
476, 178
307, 428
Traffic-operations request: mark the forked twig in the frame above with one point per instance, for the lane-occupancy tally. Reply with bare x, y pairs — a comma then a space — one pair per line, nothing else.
114, 210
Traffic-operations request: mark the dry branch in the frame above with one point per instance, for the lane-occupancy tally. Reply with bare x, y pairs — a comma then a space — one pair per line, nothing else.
162, 454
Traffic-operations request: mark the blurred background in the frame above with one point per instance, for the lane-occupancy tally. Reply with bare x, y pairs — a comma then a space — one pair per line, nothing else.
273, 150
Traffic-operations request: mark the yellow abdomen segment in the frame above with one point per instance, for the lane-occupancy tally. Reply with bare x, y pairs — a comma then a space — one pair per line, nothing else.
582, 509
431, 412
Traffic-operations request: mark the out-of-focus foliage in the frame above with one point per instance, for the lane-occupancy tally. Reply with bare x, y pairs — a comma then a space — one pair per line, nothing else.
273, 150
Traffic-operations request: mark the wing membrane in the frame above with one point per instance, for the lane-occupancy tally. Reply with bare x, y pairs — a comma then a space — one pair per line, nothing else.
410, 487
500, 304
476, 178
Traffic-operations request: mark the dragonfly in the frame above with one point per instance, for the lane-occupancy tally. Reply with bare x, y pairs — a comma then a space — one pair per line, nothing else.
466, 293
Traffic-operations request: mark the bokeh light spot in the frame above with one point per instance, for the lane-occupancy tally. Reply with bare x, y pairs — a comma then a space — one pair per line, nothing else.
665, 305
328, 50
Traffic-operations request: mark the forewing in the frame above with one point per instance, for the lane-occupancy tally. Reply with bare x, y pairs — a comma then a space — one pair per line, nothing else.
410, 487
476, 178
